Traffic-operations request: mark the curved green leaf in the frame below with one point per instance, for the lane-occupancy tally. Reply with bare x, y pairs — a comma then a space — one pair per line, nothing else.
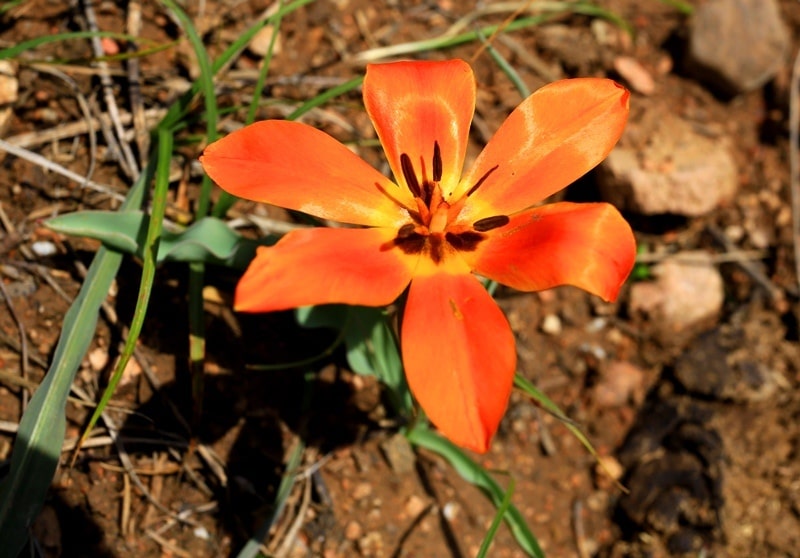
209, 240
370, 344
37, 448
473, 473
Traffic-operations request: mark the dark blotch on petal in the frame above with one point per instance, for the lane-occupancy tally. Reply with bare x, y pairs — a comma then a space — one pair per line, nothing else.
464, 242
436, 251
489, 223
406, 230
408, 241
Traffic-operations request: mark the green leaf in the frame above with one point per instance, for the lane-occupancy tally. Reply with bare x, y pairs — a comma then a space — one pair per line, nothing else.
19, 48
209, 240
550, 10
537, 395
370, 344
151, 244
37, 448
498, 518
683, 7
474, 474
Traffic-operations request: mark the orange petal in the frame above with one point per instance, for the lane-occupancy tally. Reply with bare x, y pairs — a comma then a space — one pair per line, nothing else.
459, 356
416, 104
321, 266
555, 136
588, 245
298, 167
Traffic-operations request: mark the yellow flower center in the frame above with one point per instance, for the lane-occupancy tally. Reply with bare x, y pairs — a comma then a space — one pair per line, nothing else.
433, 228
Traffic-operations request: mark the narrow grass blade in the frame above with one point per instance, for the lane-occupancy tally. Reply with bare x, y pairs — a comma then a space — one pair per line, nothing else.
324, 97
683, 7
537, 395
498, 518
41, 432
178, 110
253, 547
140, 53
207, 87
475, 474
146, 283
506, 68
553, 9
438, 43
16, 50
262, 74
10, 6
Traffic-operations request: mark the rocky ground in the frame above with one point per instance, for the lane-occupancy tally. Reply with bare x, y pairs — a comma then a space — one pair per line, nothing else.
687, 385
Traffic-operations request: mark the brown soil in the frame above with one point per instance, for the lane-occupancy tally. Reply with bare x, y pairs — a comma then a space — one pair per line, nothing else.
701, 467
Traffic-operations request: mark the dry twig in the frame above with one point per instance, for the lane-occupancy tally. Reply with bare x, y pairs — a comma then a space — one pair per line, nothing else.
128, 162
775, 293
72, 129
794, 163
291, 534
23, 341
87, 114
135, 84
43, 162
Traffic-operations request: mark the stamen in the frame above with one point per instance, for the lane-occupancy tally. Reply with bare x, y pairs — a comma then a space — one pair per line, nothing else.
408, 174
481, 180
490, 223
437, 162
427, 192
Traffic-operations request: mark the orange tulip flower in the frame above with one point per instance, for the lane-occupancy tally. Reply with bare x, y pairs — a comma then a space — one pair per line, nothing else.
433, 228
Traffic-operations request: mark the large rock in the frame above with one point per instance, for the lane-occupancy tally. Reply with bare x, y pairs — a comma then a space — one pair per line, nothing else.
736, 45
679, 171
686, 296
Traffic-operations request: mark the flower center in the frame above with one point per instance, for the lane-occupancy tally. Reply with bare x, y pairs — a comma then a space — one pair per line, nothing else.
432, 229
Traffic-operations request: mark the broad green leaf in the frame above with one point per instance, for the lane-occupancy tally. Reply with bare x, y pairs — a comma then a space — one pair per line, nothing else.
37, 447
209, 240
473, 473
41, 432
369, 341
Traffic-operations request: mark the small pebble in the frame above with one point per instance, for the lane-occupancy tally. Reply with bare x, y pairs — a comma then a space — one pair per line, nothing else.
414, 506
362, 490
451, 511
353, 531
259, 44
201, 533
635, 75
551, 325
44, 248
110, 46
98, 359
